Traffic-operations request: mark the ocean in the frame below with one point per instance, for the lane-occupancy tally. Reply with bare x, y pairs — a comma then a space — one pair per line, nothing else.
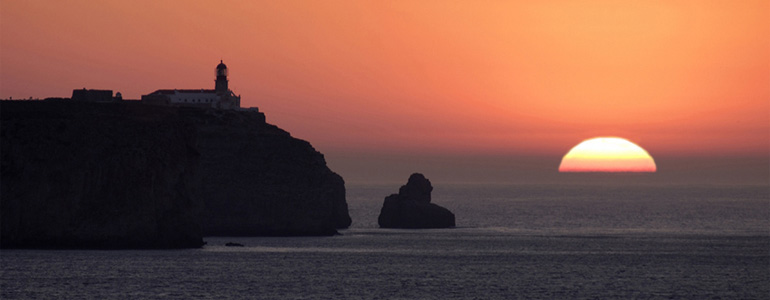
511, 242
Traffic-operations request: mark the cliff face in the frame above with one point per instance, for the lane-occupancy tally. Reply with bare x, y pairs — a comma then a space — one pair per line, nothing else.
258, 180
126, 175
91, 175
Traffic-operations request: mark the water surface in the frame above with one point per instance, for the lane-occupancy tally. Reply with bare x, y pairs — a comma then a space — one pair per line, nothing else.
512, 242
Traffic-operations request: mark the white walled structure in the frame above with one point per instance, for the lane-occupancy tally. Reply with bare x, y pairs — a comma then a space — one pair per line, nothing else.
221, 97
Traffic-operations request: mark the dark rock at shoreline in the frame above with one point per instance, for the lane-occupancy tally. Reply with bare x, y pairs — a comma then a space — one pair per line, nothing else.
257, 180
411, 207
93, 176
127, 175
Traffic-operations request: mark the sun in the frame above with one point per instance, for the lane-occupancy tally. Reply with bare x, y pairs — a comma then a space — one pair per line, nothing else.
607, 154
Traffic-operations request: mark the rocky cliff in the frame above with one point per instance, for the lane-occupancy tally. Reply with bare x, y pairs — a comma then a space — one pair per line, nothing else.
258, 180
126, 175
83, 175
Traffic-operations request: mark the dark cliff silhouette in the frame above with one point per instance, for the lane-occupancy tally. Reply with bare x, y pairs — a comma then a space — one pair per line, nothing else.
127, 175
96, 176
258, 180
411, 207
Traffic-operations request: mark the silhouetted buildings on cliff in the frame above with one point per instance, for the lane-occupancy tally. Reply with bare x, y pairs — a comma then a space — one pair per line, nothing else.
85, 95
220, 97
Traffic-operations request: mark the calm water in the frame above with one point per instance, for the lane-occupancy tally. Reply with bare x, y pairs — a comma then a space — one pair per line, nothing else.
548, 242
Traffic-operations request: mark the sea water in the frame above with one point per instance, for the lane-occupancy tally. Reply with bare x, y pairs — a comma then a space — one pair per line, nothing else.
511, 242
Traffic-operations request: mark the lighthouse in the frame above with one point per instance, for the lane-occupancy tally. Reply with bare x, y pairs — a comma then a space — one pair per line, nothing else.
220, 86
221, 97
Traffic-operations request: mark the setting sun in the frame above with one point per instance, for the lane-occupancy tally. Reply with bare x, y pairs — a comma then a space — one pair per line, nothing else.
607, 154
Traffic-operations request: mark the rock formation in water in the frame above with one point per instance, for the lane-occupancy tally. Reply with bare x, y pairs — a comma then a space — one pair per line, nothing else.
126, 175
84, 175
411, 207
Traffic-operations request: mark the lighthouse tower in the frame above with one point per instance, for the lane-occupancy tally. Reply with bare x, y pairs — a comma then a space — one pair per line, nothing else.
221, 83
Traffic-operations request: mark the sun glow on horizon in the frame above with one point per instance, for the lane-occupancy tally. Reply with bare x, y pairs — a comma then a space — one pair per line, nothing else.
607, 154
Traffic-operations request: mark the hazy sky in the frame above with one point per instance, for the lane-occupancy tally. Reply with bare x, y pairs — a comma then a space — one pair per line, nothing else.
369, 82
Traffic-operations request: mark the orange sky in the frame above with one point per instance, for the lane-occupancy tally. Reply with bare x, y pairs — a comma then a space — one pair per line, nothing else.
679, 78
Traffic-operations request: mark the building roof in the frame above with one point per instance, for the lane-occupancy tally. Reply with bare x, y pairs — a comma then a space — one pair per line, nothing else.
176, 91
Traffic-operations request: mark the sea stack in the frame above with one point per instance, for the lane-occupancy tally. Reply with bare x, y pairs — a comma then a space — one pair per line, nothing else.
411, 207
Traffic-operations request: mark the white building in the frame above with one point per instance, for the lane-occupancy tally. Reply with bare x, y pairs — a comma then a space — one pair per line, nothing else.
220, 97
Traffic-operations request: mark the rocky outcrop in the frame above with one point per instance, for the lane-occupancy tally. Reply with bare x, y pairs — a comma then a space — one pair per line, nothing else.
258, 180
87, 175
411, 207
127, 175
